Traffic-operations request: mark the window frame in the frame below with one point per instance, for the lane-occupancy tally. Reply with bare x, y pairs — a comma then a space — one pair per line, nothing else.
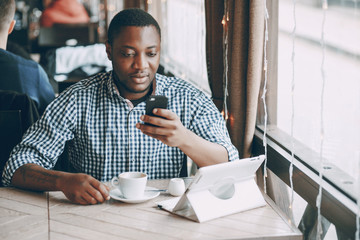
339, 202
336, 206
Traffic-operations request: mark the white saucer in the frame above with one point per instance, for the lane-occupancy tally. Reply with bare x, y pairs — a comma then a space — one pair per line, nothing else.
117, 195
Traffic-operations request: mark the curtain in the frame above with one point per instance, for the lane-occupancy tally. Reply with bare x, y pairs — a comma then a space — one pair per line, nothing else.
245, 61
214, 10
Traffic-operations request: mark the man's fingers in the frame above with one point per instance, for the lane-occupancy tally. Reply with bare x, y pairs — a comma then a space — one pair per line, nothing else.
84, 199
165, 113
95, 194
100, 191
162, 116
81, 201
154, 130
105, 191
157, 121
89, 199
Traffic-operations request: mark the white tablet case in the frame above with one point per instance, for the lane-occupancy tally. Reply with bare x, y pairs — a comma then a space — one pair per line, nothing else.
219, 190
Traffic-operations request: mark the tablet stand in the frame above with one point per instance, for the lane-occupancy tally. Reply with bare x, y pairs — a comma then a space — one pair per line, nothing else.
203, 205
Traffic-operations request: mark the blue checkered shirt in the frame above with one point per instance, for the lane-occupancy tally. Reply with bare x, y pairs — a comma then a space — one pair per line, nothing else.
99, 126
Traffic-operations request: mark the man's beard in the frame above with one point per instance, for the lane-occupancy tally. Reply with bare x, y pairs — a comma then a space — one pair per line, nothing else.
120, 85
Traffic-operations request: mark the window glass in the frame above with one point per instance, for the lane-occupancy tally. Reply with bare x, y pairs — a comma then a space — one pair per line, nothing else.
183, 39
341, 98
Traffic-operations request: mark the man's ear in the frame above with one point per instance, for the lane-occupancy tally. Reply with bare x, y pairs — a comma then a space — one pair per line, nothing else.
11, 27
108, 49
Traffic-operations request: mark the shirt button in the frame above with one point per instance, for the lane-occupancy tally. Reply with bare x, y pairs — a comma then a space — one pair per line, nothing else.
133, 160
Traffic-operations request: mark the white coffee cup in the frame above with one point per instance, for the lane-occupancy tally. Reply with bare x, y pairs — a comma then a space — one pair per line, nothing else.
131, 184
176, 187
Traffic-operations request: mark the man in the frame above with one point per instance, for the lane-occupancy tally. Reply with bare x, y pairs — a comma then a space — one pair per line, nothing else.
103, 121
17, 73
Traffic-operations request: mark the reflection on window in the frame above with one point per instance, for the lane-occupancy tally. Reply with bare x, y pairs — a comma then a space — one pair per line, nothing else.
342, 80
183, 39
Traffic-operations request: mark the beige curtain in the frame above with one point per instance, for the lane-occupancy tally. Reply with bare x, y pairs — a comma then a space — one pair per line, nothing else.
245, 61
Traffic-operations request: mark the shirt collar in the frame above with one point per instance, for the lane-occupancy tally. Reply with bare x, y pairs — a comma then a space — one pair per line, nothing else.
160, 84
111, 87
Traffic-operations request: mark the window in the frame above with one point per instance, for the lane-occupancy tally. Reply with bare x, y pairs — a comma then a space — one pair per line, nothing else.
339, 58
338, 100
341, 101
183, 39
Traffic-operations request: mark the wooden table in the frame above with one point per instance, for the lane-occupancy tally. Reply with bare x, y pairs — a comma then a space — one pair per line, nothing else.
49, 215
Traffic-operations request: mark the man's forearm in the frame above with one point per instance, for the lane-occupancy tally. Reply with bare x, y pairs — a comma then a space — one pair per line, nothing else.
35, 177
77, 187
203, 152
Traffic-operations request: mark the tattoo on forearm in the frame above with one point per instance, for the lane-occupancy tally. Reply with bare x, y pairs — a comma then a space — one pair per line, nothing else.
31, 172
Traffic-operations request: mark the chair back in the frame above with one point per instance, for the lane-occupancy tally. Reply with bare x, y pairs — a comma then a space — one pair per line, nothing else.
57, 35
17, 113
10, 134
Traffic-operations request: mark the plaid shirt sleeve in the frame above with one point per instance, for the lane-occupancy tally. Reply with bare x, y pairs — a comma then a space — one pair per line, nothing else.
45, 140
210, 125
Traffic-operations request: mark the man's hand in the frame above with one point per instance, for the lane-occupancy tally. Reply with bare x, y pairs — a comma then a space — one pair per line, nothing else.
77, 187
167, 129
84, 189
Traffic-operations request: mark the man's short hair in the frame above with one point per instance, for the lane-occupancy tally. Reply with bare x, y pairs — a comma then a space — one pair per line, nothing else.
7, 11
130, 17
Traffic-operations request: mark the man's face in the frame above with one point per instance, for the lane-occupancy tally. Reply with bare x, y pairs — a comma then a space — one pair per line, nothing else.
135, 56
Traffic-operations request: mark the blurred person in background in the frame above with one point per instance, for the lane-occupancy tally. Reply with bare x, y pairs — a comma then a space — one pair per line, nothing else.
17, 49
17, 73
63, 12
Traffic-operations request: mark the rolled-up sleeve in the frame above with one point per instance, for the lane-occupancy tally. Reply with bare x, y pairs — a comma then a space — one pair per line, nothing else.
44, 141
210, 125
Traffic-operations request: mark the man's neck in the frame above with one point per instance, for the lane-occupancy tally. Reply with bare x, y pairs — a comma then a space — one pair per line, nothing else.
3, 41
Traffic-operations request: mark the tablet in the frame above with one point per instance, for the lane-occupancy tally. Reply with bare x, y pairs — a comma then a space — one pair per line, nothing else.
219, 190
236, 171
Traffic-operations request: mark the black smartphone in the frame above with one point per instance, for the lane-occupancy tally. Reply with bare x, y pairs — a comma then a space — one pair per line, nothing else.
155, 101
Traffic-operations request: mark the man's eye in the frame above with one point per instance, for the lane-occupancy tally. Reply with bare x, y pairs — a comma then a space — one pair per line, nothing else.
127, 54
152, 54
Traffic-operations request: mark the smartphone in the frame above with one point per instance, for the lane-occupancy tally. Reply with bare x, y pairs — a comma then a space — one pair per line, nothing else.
156, 101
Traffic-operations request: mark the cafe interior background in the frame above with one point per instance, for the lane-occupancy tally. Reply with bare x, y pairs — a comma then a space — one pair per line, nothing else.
284, 73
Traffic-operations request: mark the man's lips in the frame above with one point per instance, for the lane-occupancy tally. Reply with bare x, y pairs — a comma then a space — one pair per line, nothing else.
140, 77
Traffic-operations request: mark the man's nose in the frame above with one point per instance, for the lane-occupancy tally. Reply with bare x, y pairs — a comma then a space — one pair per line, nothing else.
140, 62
